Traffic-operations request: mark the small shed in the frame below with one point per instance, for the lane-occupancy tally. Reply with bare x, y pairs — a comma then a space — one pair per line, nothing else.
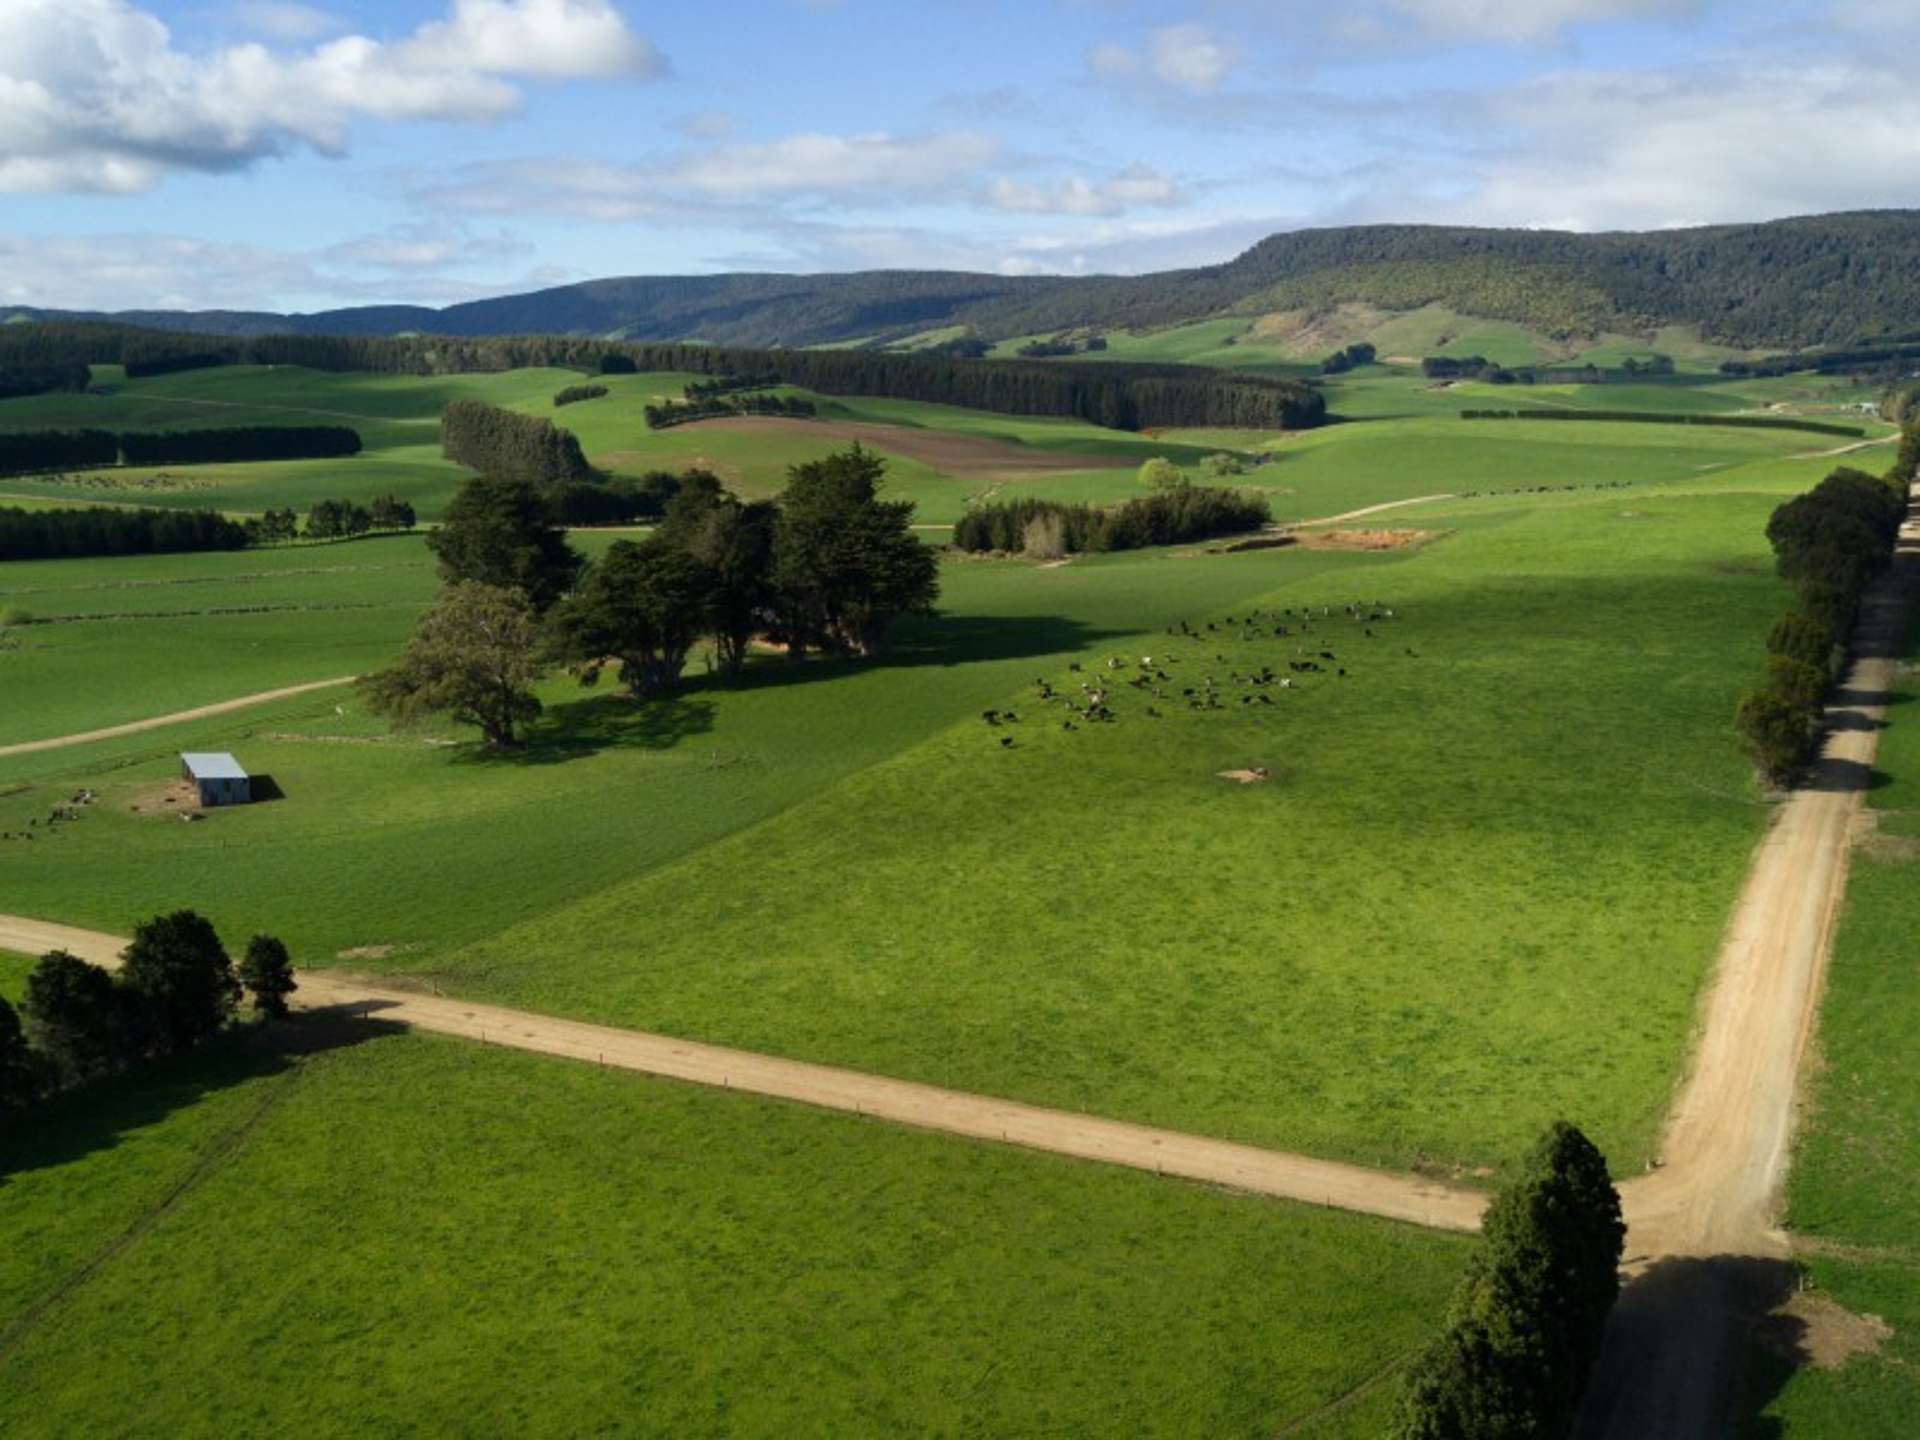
218, 778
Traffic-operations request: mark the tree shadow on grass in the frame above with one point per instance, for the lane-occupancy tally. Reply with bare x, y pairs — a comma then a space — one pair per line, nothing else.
73, 1125
578, 729
919, 641
581, 728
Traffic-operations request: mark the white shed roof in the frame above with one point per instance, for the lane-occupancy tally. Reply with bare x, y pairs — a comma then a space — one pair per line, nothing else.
210, 766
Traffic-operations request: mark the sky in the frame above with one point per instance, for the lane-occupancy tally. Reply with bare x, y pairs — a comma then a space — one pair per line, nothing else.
263, 154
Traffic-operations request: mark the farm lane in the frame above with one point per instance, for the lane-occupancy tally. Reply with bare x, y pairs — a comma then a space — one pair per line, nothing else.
929, 1107
1701, 1236
201, 712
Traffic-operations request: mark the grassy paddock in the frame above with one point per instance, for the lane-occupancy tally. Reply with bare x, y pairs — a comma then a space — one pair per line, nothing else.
543, 1245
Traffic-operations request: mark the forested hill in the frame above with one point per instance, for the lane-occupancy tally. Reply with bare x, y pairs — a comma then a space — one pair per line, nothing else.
1818, 280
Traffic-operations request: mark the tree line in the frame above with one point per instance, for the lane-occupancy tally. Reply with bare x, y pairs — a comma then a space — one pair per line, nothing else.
1049, 528
1525, 1324
831, 567
16, 381
497, 441
1829, 544
24, 452
176, 989
69, 533
668, 413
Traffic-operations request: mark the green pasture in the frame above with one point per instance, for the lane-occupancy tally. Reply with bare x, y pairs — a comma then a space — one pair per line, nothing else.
1346, 467
841, 863
1851, 1204
130, 637
409, 1233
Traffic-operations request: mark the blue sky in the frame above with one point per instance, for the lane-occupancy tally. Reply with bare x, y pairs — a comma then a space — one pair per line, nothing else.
263, 154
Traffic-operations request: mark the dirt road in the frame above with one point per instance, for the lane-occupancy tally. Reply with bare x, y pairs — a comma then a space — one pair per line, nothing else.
134, 727
1700, 1230
929, 1107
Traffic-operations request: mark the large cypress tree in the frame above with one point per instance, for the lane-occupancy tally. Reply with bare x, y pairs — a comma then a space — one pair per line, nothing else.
1525, 1326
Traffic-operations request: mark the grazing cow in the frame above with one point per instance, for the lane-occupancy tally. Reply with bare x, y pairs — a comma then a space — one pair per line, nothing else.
992, 717
1006, 742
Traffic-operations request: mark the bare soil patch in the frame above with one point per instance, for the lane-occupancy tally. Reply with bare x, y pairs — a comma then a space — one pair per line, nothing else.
1809, 1329
1361, 539
176, 797
961, 456
1256, 775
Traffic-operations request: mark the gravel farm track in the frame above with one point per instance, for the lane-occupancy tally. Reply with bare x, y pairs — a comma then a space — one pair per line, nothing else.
1703, 1251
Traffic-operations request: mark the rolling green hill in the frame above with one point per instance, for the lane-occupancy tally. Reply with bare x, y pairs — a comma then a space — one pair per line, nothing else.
1813, 280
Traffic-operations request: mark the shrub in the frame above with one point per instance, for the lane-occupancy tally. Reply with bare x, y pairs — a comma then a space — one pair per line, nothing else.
574, 394
1160, 473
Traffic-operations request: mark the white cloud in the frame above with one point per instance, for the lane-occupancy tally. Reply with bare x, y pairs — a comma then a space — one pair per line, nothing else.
556, 38
708, 125
423, 247
1746, 140
817, 162
1187, 57
94, 95
1133, 187
719, 183
283, 20
1527, 21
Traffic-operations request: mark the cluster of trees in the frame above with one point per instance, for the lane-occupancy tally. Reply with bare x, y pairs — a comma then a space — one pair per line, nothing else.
1172, 515
728, 385
504, 443
1457, 367
1829, 544
1826, 362
339, 519
176, 988
681, 412
831, 567
32, 451
1655, 364
1666, 417
65, 534
44, 379
1342, 361
1524, 1328
574, 394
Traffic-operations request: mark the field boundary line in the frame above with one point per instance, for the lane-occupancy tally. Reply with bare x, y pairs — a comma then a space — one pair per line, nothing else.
200, 712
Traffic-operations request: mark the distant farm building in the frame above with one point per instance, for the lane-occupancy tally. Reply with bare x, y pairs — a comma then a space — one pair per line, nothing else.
218, 778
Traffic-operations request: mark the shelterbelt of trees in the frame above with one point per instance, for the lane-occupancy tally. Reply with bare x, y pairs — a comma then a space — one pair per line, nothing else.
28, 451
1118, 396
1829, 544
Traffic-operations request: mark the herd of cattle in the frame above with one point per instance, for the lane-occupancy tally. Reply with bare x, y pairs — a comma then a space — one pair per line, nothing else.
1152, 677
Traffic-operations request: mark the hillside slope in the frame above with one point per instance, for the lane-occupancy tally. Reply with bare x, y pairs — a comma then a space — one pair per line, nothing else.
1816, 280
